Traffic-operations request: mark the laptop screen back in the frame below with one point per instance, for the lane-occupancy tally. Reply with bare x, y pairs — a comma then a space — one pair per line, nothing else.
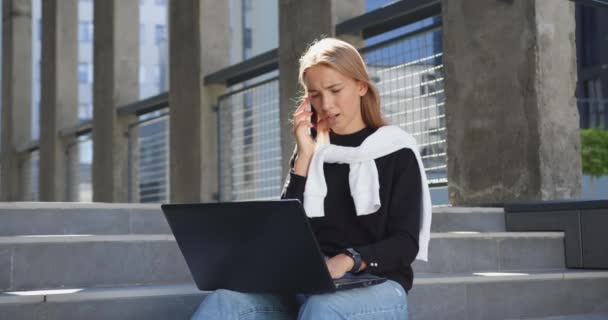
256, 246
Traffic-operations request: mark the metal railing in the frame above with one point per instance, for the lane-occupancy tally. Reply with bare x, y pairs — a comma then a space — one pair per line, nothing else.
79, 175
31, 174
593, 113
408, 72
149, 158
407, 69
249, 142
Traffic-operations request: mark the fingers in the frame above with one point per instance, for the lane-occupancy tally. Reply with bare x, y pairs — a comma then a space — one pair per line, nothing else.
302, 115
302, 106
302, 123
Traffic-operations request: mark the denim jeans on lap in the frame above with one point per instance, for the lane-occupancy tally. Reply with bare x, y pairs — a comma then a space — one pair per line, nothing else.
383, 301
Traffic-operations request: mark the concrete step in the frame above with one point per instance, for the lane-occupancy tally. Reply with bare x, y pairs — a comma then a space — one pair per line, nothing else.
446, 219
456, 252
595, 316
51, 218
43, 262
138, 302
47, 262
516, 295
465, 296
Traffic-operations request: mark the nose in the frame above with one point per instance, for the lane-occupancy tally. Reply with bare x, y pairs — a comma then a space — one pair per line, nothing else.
326, 104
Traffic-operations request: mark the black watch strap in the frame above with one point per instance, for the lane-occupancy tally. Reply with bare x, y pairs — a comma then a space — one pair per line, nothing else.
356, 257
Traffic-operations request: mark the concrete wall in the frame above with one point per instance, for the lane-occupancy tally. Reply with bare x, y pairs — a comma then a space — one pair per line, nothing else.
512, 121
199, 33
16, 95
116, 58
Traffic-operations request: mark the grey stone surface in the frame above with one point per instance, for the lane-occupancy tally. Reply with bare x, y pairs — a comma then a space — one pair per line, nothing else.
156, 308
200, 36
479, 221
59, 96
30, 311
100, 218
84, 263
66, 221
450, 253
149, 221
515, 299
161, 302
438, 302
115, 83
81, 219
566, 221
532, 253
459, 255
495, 299
520, 299
16, 95
575, 317
5, 266
512, 121
586, 296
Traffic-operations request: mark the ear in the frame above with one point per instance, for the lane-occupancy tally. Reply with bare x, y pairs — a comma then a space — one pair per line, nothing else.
362, 88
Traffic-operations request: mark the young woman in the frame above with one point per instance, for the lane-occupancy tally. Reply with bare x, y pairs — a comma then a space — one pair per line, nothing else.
362, 185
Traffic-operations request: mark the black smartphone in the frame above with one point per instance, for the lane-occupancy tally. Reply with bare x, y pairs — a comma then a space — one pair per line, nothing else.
313, 120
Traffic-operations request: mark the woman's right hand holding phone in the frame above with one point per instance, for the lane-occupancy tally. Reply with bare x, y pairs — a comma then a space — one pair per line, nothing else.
305, 143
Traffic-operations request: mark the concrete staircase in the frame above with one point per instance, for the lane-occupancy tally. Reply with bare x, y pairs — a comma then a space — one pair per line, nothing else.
119, 261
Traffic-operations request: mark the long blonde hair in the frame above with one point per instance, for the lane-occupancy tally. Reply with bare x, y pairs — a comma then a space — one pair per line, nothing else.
344, 58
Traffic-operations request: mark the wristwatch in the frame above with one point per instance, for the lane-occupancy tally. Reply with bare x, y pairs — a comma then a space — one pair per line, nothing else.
356, 257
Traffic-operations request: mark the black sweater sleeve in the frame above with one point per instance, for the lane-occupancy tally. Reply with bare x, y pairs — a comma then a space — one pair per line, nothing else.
294, 187
400, 246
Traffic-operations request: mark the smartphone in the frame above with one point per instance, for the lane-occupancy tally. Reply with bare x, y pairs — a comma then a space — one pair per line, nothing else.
313, 120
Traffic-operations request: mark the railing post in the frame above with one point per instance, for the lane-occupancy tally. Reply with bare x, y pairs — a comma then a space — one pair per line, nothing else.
16, 95
512, 121
200, 32
116, 83
59, 96
72, 164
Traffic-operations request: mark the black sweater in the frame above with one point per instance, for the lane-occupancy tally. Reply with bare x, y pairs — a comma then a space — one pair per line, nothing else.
387, 239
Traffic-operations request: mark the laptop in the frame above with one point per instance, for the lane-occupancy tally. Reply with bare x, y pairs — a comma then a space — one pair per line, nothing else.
254, 246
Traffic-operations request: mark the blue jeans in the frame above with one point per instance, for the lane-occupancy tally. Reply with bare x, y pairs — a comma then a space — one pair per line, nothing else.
387, 301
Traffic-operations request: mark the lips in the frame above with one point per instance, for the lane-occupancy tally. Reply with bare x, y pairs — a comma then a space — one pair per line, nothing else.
332, 118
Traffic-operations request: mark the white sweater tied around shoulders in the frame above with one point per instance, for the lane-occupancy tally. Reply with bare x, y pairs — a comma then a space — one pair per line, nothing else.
363, 177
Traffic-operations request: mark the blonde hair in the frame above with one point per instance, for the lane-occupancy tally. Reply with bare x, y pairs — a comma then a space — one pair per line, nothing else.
344, 58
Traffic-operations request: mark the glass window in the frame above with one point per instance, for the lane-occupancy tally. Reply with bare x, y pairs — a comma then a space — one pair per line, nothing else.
84, 111
161, 33
85, 31
142, 34
142, 74
83, 72
160, 2
155, 73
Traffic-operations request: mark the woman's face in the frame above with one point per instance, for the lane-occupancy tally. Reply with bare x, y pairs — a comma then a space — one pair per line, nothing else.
336, 98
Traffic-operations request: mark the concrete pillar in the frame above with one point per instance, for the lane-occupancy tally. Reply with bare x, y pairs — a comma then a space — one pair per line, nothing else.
59, 96
199, 34
16, 93
115, 83
512, 121
301, 22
